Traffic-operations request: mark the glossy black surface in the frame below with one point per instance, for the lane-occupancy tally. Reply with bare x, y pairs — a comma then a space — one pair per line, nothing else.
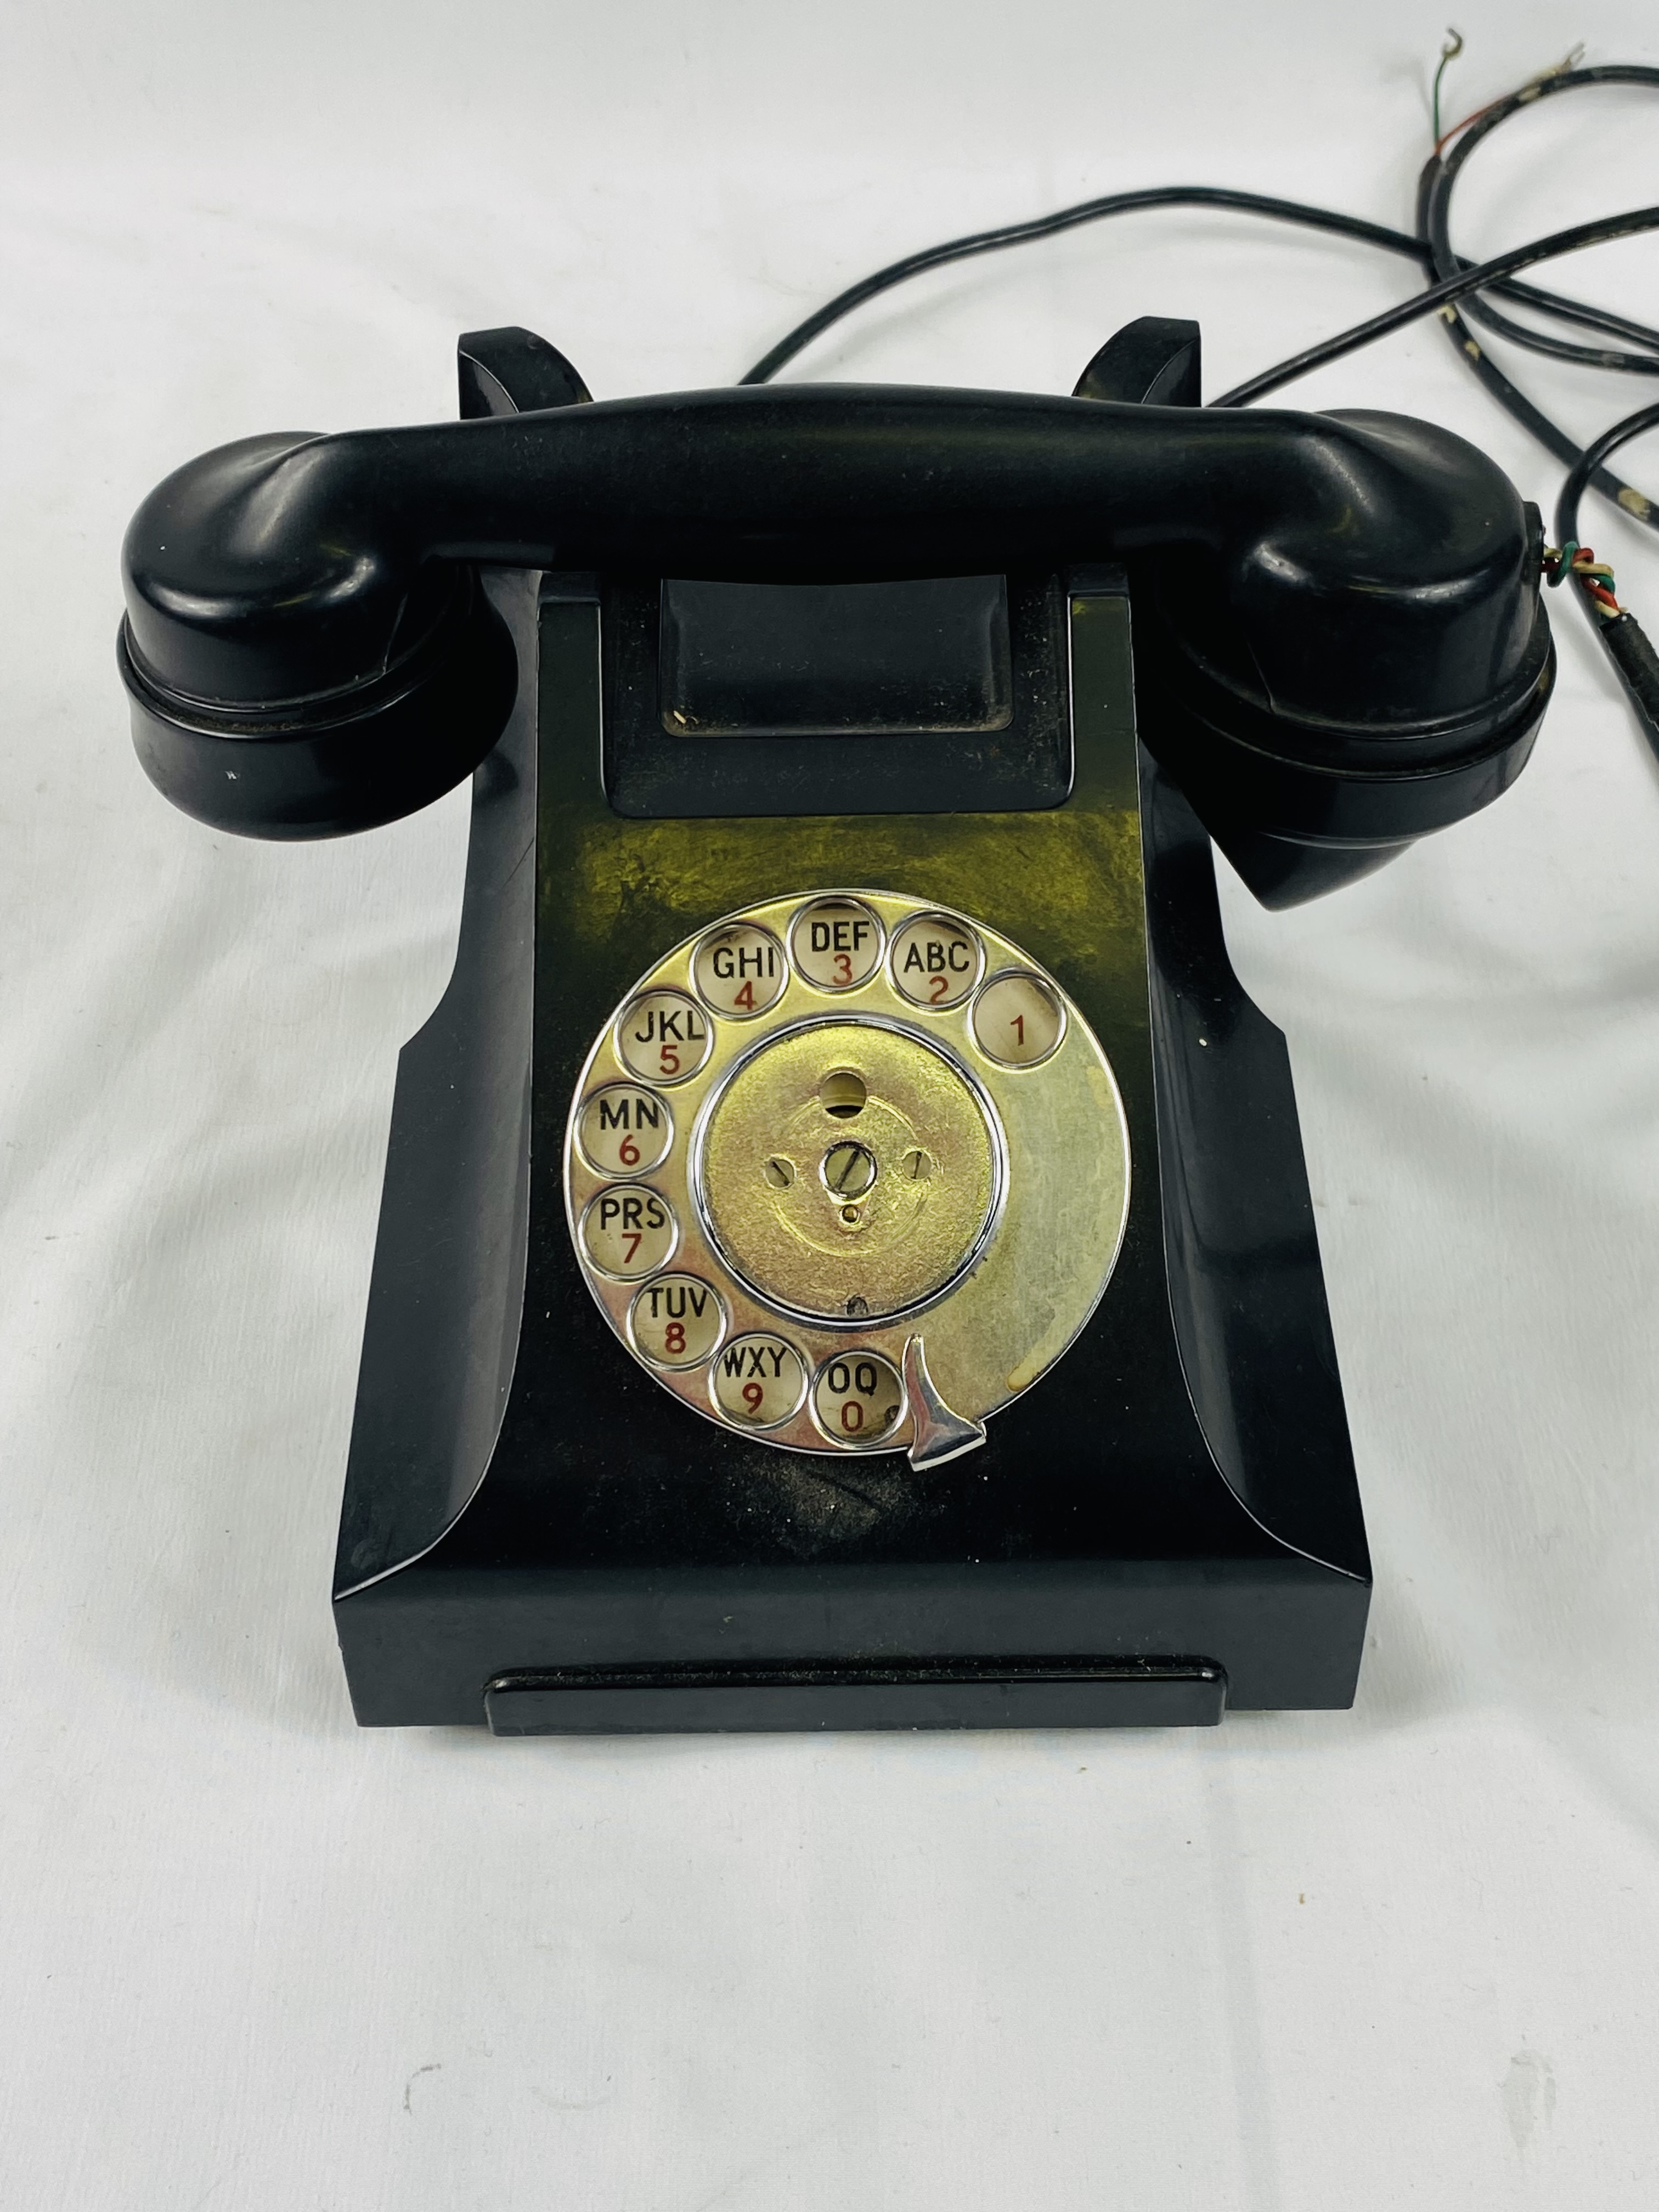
282, 569
442, 1329
1157, 360
928, 656
1022, 759
325, 768
1296, 819
1246, 1293
635, 1701
1346, 606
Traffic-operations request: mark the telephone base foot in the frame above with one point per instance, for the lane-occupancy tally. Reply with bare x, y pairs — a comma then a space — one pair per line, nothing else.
753, 1700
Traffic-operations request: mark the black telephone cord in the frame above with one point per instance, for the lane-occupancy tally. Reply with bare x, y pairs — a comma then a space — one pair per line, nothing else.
1456, 283
1404, 242
1435, 186
1469, 280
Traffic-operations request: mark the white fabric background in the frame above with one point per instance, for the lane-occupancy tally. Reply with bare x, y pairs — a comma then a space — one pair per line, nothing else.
253, 1958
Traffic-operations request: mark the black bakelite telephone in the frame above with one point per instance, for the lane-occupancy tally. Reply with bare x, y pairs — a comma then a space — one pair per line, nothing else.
846, 1258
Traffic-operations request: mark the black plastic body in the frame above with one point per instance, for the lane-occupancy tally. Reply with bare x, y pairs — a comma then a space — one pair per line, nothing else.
1022, 760
536, 1537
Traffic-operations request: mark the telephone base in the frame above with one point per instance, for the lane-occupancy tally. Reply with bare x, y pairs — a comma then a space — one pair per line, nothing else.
538, 1538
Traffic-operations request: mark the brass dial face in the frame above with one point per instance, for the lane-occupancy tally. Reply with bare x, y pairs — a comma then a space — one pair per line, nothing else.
849, 1169
847, 1172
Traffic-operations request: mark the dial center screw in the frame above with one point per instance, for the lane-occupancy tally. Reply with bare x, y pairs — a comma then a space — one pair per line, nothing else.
849, 1169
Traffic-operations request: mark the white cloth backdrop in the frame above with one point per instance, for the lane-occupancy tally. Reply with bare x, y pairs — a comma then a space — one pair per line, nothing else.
253, 1958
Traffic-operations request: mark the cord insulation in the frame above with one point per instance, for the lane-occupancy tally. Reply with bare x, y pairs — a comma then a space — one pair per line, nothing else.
1458, 291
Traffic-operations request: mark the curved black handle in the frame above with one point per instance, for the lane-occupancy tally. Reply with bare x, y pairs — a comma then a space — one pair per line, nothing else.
1328, 584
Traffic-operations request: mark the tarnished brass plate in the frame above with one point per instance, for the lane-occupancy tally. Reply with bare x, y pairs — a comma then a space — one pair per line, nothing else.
849, 1169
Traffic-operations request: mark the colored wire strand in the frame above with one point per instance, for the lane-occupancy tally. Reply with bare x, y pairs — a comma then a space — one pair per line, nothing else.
1626, 644
1448, 53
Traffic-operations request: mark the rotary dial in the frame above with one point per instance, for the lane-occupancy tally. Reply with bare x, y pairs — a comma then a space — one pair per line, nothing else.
847, 1172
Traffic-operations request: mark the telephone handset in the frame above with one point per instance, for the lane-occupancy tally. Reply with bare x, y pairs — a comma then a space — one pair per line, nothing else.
846, 1258
847, 1174
1347, 607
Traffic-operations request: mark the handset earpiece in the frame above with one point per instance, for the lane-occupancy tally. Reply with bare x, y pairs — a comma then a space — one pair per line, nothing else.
1299, 810
1342, 611
250, 734
257, 705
